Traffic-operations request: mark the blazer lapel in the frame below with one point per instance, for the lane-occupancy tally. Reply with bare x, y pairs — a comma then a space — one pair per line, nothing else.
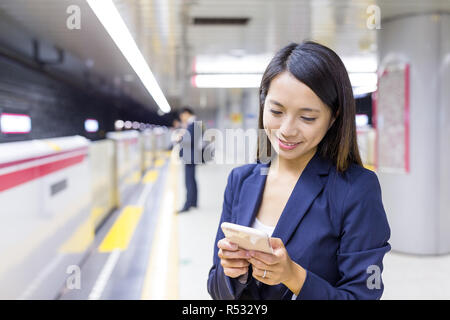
251, 195
308, 186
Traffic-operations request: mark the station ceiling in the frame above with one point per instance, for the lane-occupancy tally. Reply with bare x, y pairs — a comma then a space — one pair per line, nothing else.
172, 33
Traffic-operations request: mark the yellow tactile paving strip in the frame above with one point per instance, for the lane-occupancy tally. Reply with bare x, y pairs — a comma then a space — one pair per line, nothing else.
121, 232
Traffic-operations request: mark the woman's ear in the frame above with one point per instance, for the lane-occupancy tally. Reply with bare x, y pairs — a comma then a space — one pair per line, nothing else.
333, 119
331, 123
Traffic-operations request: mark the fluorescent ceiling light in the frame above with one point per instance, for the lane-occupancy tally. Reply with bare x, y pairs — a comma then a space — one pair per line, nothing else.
363, 79
231, 64
15, 123
135, 125
361, 91
119, 124
108, 15
361, 63
226, 80
91, 125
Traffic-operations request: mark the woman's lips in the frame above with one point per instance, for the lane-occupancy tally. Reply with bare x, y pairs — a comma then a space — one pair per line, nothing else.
287, 145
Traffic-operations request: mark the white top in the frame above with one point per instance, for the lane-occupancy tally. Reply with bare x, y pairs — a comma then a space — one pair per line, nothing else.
269, 230
263, 227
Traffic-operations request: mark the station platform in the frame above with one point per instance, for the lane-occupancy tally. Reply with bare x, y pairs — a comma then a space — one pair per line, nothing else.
146, 251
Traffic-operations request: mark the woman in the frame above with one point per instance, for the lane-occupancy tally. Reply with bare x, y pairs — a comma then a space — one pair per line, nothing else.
322, 208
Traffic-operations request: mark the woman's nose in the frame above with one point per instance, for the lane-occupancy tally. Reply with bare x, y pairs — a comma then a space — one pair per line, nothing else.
289, 128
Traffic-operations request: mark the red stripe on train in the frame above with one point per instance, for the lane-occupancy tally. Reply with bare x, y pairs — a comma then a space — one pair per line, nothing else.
16, 162
13, 179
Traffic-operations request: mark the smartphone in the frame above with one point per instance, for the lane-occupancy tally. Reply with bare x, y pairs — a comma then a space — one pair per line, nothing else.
247, 238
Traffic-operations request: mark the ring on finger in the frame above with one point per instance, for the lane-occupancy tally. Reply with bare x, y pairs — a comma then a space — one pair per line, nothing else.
264, 275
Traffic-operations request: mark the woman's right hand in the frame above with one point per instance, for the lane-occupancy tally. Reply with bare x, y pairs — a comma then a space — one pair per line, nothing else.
233, 260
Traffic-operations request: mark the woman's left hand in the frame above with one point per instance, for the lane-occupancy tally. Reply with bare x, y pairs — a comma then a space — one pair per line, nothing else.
278, 267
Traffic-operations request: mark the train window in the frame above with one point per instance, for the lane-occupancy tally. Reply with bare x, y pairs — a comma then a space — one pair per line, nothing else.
15, 123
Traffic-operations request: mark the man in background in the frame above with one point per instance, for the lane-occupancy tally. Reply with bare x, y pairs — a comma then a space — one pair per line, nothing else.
190, 153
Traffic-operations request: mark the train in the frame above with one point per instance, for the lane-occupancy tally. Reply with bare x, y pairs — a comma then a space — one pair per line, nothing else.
55, 194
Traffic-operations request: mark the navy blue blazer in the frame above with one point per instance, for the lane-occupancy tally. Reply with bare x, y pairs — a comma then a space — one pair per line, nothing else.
188, 146
333, 225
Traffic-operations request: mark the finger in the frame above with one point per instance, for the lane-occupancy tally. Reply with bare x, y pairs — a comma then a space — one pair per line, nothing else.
267, 281
259, 272
234, 263
258, 275
235, 272
260, 265
239, 254
276, 243
267, 258
227, 245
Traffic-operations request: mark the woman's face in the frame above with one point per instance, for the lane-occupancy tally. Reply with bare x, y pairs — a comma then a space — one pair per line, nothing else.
294, 117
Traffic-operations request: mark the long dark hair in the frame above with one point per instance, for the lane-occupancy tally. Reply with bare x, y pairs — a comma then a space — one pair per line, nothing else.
323, 72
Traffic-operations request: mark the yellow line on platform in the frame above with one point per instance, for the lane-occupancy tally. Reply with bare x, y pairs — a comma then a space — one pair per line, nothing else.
120, 234
161, 279
159, 162
150, 176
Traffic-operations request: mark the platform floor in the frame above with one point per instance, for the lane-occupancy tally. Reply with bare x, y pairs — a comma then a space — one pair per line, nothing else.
168, 256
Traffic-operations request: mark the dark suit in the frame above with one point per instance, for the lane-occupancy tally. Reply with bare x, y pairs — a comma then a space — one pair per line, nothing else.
334, 226
190, 152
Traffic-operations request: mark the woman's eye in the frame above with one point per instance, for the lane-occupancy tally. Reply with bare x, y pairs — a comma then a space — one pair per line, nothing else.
308, 119
275, 112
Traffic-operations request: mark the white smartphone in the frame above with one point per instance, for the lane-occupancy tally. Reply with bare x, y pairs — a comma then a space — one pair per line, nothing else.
247, 238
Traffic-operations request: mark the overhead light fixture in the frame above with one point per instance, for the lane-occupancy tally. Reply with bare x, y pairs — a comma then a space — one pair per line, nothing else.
135, 125
110, 18
359, 92
91, 125
231, 64
366, 63
15, 123
226, 80
119, 124
363, 79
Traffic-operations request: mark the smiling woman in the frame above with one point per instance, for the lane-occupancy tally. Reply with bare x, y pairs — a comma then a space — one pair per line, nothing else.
294, 129
321, 207
311, 80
